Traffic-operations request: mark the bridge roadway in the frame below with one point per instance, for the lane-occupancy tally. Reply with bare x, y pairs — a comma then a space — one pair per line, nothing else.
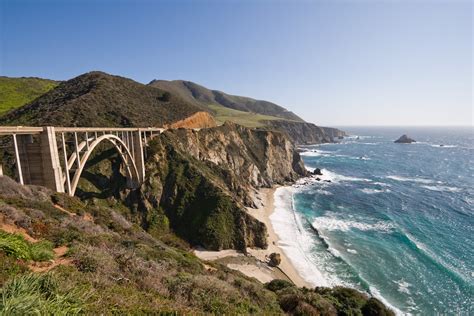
55, 157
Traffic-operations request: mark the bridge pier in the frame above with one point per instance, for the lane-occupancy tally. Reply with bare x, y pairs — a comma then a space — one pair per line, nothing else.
138, 154
39, 160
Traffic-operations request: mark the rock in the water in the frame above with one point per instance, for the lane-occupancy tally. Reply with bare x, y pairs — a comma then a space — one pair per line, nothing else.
317, 172
404, 139
275, 259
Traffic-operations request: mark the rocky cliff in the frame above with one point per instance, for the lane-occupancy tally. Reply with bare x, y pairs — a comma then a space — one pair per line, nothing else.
306, 133
202, 181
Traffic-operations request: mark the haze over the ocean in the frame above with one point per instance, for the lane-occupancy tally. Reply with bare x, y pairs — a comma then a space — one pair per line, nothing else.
333, 63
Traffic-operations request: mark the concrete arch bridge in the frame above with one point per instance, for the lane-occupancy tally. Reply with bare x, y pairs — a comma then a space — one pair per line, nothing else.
55, 157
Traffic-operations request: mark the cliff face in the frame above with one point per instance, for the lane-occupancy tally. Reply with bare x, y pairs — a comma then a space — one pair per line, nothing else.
202, 181
306, 133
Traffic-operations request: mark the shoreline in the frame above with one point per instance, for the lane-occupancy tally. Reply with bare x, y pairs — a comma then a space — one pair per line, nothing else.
263, 213
255, 263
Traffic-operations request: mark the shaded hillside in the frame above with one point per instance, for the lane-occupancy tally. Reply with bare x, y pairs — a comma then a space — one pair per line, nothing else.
15, 92
204, 97
100, 99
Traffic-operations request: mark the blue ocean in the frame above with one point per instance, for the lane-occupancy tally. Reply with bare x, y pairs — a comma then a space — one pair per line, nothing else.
395, 220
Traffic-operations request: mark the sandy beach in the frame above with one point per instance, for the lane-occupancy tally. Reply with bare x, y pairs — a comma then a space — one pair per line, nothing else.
255, 263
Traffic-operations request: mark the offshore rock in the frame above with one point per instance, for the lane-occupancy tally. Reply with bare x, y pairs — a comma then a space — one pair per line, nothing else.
404, 139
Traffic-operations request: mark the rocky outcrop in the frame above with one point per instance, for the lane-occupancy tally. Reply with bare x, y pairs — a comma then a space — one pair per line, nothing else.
306, 133
197, 120
203, 180
404, 139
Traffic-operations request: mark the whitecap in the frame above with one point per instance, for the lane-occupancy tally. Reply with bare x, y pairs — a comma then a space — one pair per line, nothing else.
441, 188
407, 179
334, 177
382, 184
351, 250
373, 191
403, 286
444, 146
332, 223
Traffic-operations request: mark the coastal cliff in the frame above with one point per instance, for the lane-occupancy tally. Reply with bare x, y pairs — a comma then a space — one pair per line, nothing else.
203, 180
303, 133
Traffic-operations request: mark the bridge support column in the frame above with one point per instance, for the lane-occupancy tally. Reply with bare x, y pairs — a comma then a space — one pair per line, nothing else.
138, 154
40, 160
52, 172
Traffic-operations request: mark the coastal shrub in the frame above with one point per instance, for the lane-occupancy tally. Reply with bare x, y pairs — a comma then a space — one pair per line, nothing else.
275, 259
278, 284
374, 307
16, 246
38, 294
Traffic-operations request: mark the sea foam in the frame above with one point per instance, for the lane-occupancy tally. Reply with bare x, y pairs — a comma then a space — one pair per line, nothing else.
294, 240
332, 223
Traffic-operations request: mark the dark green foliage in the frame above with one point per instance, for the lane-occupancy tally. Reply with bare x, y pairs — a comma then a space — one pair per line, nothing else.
325, 301
277, 285
374, 307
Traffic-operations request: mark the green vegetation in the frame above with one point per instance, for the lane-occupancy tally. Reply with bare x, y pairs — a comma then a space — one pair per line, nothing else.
206, 98
16, 246
15, 92
325, 301
247, 119
38, 294
100, 99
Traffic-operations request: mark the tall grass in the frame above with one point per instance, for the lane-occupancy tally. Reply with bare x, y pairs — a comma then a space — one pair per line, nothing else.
16, 246
38, 294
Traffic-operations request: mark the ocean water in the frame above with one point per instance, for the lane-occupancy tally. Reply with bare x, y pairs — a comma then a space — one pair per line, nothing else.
395, 220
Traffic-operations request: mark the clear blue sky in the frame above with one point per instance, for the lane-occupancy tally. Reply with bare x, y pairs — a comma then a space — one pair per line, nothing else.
332, 62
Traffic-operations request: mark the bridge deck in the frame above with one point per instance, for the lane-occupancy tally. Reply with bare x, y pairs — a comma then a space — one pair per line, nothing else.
9, 130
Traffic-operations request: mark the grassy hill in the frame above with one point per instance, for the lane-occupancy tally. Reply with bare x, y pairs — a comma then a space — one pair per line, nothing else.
100, 99
208, 99
223, 114
15, 92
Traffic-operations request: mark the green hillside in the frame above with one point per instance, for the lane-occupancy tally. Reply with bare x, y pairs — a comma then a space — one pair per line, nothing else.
222, 114
203, 97
15, 92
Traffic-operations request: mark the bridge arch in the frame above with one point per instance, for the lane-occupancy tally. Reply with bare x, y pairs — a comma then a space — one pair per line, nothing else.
127, 158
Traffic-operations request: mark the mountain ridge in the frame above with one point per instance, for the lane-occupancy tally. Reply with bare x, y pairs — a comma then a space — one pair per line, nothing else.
203, 96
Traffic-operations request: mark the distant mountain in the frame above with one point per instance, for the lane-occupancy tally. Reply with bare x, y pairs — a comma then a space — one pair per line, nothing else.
205, 97
249, 112
100, 99
15, 92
